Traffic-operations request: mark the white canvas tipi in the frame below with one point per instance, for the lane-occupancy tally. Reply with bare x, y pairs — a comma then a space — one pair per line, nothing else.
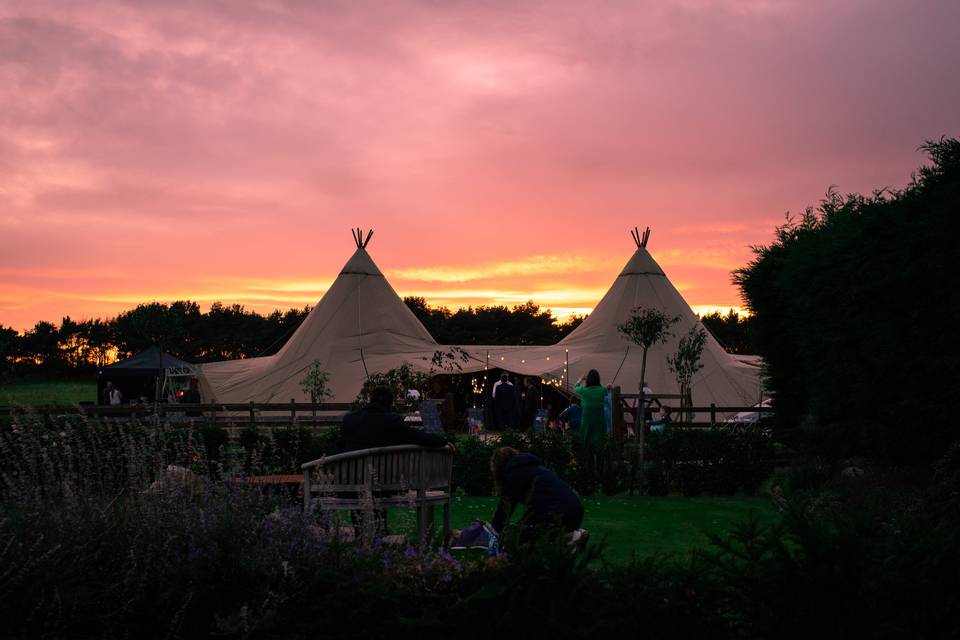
360, 326
724, 380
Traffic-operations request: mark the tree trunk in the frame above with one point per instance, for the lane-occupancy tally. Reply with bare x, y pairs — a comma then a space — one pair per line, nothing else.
683, 403
640, 427
643, 368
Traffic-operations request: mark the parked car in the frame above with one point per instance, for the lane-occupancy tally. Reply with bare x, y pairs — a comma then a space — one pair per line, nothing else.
751, 417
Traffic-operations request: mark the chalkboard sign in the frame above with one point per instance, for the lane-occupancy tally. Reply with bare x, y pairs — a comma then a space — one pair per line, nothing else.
430, 417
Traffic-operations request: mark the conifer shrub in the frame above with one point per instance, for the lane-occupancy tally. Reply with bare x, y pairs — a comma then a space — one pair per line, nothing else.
855, 320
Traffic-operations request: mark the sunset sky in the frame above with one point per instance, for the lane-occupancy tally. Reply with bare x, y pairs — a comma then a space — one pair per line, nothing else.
222, 150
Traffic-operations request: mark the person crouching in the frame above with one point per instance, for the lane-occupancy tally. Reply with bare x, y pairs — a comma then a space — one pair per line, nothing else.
522, 479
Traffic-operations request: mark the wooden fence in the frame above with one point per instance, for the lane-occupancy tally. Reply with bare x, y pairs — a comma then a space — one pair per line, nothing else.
252, 412
330, 413
713, 409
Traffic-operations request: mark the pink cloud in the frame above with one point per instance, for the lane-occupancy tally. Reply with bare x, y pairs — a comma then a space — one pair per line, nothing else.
177, 144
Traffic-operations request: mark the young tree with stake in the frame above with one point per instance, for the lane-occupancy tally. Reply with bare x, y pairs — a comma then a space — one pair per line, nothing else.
686, 361
645, 327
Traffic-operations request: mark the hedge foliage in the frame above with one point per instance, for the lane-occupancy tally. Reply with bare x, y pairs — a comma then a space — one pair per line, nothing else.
855, 318
716, 461
89, 550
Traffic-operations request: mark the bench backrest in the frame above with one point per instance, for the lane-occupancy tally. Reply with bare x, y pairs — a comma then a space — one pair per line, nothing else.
399, 468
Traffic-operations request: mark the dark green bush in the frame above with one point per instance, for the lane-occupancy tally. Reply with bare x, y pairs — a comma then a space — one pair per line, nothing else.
292, 446
717, 461
326, 442
592, 471
283, 449
258, 450
215, 440
854, 323
471, 467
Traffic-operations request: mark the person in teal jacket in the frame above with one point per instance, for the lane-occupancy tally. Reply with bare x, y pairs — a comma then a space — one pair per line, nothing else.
593, 430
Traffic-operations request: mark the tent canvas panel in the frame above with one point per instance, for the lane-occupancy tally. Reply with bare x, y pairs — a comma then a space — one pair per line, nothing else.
361, 326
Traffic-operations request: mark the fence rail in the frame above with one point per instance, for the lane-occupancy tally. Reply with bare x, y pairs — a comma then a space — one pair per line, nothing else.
251, 411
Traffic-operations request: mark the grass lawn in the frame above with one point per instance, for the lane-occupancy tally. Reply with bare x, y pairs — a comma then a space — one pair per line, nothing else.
642, 525
41, 393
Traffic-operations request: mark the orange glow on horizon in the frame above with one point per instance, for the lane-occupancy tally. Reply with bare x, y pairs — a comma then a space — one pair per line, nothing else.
551, 284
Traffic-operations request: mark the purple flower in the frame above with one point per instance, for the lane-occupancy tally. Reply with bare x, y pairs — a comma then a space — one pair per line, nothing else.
410, 552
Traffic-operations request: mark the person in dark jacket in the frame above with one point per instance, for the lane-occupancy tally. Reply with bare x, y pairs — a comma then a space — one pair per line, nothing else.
376, 425
506, 405
521, 479
531, 404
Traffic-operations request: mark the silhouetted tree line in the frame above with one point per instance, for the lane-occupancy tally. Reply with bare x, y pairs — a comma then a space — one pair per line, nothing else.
733, 331
222, 333
855, 314
228, 332
522, 324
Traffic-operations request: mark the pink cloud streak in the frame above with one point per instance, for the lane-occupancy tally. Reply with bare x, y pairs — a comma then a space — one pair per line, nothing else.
214, 149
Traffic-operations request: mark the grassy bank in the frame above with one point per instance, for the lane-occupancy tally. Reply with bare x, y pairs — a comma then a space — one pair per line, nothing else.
50, 392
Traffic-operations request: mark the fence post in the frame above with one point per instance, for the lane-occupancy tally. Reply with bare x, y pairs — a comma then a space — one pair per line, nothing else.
253, 415
616, 414
713, 413
293, 410
641, 438
306, 490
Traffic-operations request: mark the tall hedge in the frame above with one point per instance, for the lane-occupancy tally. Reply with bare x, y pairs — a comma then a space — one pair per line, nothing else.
856, 316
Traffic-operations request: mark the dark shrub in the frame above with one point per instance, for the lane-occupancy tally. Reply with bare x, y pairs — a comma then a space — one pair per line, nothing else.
716, 461
89, 549
471, 467
258, 450
554, 449
293, 445
849, 308
215, 440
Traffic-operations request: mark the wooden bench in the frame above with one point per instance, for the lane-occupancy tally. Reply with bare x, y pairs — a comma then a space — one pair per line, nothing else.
386, 477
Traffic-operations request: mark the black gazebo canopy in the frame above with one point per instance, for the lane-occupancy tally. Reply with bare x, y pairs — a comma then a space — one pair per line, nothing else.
138, 375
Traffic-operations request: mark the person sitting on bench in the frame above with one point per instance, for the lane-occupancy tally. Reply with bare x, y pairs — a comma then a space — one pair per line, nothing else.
376, 425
